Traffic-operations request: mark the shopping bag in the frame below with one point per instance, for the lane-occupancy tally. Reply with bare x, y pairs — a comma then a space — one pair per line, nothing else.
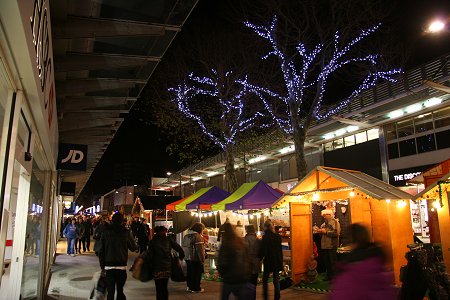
142, 269
176, 271
99, 291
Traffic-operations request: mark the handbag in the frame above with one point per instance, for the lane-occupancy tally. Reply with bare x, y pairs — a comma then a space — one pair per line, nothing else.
176, 269
142, 268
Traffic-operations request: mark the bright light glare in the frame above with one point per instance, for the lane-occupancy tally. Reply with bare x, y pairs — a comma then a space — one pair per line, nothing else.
340, 131
352, 128
328, 136
436, 204
436, 26
413, 108
432, 101
395, 114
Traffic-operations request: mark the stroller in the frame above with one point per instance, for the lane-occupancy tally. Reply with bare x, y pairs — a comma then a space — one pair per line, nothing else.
424, 272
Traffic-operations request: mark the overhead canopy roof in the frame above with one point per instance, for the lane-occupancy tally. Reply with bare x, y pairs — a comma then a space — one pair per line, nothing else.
252, 195
205, 195
336, 184
171, 206
104, 54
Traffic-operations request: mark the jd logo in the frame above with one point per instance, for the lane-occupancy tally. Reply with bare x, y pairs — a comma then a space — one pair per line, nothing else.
73, 157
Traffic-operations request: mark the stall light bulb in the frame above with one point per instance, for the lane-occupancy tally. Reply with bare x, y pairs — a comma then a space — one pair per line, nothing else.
388, 200
436, 204
401, 204
352, 194
316, 196
251, 217
266, 213
215, 212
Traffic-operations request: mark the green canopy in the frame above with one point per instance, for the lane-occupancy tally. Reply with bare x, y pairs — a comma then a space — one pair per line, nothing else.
239, 193
199, 193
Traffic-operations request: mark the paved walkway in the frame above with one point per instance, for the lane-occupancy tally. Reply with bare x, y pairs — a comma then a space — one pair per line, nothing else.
72, 280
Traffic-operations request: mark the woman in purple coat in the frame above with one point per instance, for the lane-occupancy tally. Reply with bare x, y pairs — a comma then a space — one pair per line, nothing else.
362, 273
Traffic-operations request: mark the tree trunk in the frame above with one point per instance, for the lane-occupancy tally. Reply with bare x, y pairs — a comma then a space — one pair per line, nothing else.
299, 136
230, 172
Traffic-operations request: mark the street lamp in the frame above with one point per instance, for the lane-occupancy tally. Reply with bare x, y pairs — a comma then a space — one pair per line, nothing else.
436, 26
181, 189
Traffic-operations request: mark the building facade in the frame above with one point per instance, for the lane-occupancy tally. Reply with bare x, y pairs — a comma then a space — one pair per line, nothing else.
29, 136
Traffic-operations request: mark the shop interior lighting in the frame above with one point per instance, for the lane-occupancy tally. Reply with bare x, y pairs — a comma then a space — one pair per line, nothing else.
257, 159
328, 136
210, 174
352, 128
196, 178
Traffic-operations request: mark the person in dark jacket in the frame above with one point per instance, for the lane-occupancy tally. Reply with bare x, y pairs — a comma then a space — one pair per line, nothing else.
78, 241
194, 249
362, 273
272, 255
253, 245
161, 251
87, 233
98, 234
116, 240
232, 264
143, 234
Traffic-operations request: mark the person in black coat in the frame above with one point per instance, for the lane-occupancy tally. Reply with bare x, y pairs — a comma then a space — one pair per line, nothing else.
272, 255
116, 240
232, 264
160, 248
143, 234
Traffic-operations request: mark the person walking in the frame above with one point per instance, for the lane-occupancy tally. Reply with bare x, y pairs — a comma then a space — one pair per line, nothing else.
116, 240
253, 246
88, 231
272, 255
329, 241
78, 241
160, 248
143, 234
362, 274
194, 249
71, 233
232, 264
98, 231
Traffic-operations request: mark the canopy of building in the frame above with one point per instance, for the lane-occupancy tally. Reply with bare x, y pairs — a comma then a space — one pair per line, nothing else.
207, 195
325, 183
252, 195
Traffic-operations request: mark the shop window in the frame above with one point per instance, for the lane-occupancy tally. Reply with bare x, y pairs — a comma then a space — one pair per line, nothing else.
441, 118
423, 123
349, 141
372, 134
391, 132
361, 137
426, 143
407, 147
405, 128
443, 139
393, 150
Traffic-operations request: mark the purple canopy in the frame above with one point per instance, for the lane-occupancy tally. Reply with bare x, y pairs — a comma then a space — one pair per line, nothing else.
213, 195
261, 195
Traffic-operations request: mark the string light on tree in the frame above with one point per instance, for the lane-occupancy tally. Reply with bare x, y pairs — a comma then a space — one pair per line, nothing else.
302, 79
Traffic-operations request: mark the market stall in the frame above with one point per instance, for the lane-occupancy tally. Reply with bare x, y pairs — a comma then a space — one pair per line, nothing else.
383, 208
438, 194
205, 195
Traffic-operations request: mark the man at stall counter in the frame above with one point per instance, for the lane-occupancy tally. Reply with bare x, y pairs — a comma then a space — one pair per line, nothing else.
330, 230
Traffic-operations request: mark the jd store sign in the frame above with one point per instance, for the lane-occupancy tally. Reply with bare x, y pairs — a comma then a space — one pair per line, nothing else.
72, 157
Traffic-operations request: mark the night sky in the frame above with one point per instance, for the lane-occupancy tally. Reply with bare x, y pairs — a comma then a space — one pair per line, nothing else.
143, 143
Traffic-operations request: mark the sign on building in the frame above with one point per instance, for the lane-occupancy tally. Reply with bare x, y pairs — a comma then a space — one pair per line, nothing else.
72, 157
